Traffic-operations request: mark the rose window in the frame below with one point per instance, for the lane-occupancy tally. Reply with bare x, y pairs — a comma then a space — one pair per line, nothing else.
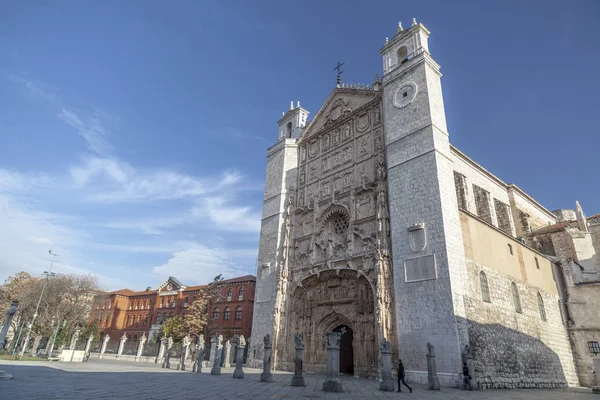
340, 224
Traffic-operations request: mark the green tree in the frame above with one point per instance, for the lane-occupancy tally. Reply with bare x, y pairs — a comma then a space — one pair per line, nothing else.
174, 327
91, 329
197, 318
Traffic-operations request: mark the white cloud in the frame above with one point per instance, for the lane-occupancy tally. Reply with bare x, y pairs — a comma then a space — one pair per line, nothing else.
39, 240
91, 127
200, 264
227, 216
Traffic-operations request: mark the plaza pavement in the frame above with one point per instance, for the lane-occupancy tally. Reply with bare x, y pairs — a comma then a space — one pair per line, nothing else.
104, 379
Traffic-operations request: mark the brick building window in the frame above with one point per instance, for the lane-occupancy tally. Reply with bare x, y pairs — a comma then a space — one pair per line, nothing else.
158, 319
216, 314
229, 295
241, 296
145, 320
106, 319
226, 313
485, 290
185, 304
171, 314
516, 298
238, 313
541, 307
162, 302
127, 320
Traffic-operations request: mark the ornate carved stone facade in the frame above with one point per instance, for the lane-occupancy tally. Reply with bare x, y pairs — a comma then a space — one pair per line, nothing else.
334, 267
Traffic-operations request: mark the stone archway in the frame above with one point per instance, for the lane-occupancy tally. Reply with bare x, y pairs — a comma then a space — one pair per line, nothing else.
330, 300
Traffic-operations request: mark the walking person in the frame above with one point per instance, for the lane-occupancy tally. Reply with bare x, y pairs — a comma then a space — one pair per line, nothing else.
466, 377
402, 376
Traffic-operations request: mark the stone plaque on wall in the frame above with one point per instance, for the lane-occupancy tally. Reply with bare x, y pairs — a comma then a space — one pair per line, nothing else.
420, 268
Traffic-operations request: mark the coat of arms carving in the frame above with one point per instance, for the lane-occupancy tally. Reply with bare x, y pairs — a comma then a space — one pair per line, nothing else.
417, 238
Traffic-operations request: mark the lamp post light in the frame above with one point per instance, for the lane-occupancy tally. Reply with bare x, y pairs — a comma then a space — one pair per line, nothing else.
47, 274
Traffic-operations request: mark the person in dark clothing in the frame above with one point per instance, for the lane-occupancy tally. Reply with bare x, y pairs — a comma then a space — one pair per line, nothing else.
466, 377
401, 376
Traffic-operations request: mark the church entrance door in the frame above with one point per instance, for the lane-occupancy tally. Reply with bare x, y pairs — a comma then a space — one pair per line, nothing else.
346, 351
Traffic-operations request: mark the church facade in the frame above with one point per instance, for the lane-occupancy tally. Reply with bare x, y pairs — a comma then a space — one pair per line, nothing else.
375, 226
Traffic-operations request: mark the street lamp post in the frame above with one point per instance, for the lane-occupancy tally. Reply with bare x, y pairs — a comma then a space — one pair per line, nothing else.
48, 274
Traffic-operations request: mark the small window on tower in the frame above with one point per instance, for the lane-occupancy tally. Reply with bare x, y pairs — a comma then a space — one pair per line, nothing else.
289, 129
402, 55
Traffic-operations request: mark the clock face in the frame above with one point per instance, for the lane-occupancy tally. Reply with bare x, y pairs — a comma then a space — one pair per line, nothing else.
170, 286
405, 95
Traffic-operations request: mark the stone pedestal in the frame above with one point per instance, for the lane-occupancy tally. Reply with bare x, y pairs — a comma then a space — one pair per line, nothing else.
213, 350
104, 343
387, 381
199, 355
121, 345
140, 349
185, 345
216, 368
167, 361
227, 354
9, 316
88, 345
433, 382
332, 382
298, 379
161, 350
239, 358
266, 375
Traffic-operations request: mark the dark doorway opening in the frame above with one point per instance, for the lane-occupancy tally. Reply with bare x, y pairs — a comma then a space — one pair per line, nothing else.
346, 352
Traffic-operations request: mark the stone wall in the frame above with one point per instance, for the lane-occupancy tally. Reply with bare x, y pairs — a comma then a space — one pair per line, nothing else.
512, 349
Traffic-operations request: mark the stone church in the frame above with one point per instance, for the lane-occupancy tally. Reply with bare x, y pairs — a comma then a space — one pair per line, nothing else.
375, 226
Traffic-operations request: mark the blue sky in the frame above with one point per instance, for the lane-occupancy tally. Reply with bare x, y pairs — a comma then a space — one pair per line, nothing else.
134, 134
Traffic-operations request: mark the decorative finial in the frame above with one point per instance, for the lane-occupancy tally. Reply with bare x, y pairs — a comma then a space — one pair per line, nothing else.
291, 105
282, 113
376, 79
400, 28
298, 102
414, 22
387, 40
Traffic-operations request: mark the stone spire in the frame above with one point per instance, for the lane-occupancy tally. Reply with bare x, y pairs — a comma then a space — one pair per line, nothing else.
581, 220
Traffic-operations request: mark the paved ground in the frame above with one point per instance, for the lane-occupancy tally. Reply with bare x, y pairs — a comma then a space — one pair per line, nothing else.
103, 379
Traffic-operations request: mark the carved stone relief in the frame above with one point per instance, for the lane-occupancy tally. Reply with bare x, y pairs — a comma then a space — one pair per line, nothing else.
363, 122
364, 146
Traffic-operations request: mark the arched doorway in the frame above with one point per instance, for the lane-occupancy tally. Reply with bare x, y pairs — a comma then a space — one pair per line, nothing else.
346, 350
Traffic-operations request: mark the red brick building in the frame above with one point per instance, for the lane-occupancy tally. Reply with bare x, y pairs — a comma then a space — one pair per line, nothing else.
138, 313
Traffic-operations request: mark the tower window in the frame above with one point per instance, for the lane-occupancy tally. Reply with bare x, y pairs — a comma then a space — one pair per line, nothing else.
516, 299
289, 129
485, 290
402, 55
541, 307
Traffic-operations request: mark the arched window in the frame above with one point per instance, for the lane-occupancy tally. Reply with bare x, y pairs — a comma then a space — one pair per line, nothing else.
128, 337
137, 305
145, 320
541, 306
229, 295
162, 302
187, 299
241, 296
485, 290
402, 55
134, 338
127, 320
238, 313
171, 314
226, 313
216, 314
158, 319
516, 298
106, 319
289, 129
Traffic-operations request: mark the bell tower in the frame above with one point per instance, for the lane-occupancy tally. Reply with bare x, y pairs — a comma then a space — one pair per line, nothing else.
428, 254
